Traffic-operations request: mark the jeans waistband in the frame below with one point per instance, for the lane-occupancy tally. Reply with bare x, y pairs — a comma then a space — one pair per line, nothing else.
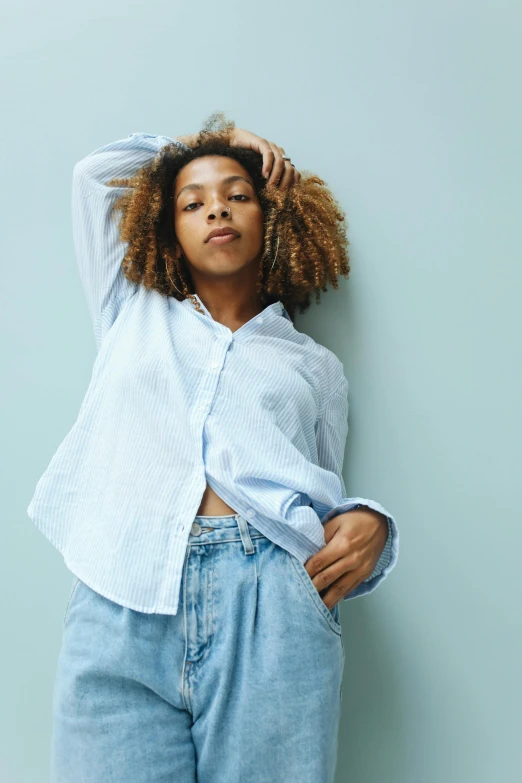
224, 528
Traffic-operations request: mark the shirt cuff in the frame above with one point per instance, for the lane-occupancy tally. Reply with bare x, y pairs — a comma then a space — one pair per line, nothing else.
390, 553
169, 139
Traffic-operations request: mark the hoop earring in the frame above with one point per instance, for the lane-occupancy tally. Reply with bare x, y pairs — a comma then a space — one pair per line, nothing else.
277, 248
190, 296
171, 280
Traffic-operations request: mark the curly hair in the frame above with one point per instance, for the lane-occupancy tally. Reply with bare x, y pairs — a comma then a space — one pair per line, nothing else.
305, 243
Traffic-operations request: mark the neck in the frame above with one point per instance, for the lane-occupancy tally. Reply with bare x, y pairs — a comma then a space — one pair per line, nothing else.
228, 305
231, 300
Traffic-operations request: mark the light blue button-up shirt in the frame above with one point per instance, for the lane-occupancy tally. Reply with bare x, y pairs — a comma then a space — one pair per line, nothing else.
176, 400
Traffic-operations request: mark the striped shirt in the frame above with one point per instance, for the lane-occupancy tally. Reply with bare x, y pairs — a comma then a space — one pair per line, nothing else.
176, 400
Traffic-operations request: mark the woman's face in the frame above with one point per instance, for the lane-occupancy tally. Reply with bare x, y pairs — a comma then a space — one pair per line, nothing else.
204, 191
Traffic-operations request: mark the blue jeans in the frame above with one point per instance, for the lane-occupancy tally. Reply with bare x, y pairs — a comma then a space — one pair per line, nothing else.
242, 685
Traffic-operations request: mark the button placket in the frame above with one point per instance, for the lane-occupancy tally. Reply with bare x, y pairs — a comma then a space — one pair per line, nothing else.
205, 394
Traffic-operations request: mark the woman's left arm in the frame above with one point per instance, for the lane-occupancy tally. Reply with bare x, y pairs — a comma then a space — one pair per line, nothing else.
362, 538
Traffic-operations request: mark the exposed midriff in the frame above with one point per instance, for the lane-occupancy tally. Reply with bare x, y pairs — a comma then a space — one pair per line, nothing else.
212, 505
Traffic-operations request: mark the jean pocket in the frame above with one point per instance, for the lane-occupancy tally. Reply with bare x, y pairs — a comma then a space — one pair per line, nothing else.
73, 590
332, 616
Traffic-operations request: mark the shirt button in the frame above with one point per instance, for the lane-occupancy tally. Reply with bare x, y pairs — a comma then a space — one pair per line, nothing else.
250, 513
202, 407
215, 364
260, 320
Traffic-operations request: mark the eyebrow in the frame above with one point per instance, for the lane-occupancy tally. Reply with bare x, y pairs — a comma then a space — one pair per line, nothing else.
226, 181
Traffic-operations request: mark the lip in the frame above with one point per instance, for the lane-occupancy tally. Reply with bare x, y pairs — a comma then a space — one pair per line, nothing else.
222, 232
222, 239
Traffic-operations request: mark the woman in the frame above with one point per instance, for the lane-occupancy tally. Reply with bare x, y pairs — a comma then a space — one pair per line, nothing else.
204, 470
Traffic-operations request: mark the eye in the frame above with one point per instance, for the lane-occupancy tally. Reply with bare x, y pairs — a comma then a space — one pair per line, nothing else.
195, 203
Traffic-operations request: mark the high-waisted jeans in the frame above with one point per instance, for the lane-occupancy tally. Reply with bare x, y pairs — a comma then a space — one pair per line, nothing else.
242, 685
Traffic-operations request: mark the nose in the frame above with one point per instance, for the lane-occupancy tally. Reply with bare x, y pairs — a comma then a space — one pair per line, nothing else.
218, 210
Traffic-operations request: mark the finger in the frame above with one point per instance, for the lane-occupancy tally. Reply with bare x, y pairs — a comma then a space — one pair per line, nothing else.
268, 159
266, 149
244, 138
288, 176
278, 166
332, 596
340, 573
338, 590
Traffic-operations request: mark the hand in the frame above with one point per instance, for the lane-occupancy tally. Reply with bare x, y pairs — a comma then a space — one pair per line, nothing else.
354, 543
278, 170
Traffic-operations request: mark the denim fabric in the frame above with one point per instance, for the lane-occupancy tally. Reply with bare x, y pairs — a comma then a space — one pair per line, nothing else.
242, 685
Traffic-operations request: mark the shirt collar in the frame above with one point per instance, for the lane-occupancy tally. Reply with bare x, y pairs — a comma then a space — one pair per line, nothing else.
274, 309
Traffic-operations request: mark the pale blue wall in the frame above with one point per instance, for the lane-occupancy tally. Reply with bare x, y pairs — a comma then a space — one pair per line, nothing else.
411, 113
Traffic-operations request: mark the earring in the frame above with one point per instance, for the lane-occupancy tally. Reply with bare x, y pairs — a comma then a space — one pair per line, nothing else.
171, 280
277, 248
190, 296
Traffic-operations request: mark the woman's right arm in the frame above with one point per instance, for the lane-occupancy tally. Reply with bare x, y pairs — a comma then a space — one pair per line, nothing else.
99, 251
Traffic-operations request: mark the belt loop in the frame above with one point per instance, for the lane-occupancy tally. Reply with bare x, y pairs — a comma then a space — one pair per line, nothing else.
245, 535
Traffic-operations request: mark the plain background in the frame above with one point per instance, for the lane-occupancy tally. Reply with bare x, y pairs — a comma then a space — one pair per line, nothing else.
411, 113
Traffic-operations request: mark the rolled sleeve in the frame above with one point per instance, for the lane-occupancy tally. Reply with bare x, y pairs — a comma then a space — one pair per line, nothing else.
331, 434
